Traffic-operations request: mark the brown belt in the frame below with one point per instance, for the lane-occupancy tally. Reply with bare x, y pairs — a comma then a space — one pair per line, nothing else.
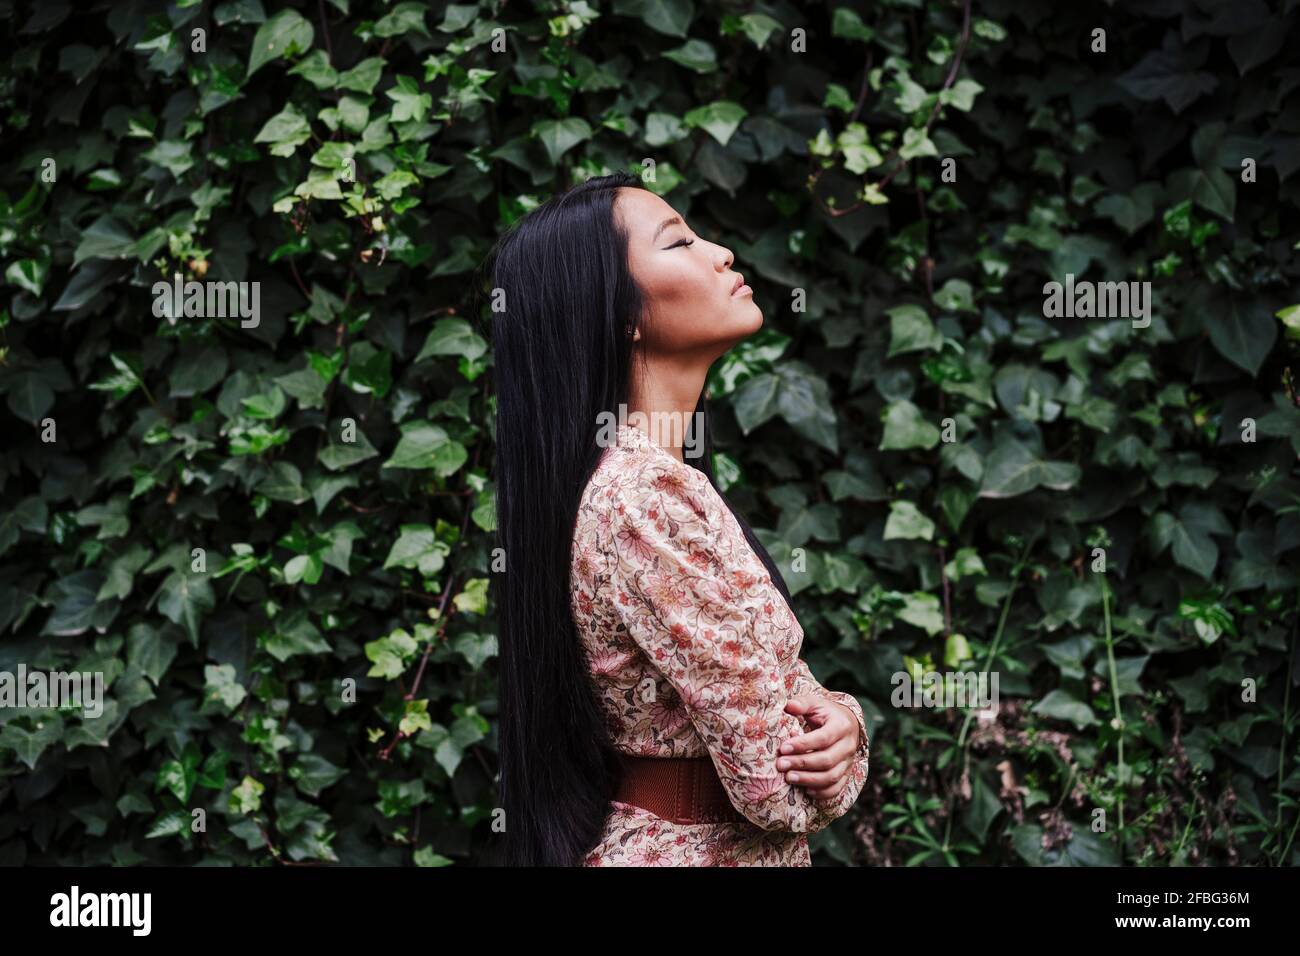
678, 789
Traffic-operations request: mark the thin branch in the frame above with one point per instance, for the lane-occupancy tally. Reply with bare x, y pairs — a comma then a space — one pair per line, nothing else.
442, 613
947, 599
298, 279
324, 28
866, 85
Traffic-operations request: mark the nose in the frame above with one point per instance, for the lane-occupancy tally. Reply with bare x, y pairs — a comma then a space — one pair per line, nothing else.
727, 257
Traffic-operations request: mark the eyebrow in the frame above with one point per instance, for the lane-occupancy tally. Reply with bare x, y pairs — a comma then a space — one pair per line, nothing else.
664, 225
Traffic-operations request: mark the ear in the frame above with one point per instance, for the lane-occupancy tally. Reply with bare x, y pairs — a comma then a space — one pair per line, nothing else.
636, 335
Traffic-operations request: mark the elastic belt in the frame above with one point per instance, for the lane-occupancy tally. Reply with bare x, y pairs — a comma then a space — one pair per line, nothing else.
678, 789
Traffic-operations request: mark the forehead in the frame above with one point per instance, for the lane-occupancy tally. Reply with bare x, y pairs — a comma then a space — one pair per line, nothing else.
643, 212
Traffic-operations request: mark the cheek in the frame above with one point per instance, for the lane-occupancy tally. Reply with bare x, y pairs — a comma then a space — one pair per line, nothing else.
684, 300
686, 283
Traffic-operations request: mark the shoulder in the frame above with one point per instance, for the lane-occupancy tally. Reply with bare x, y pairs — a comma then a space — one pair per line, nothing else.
645, 511
647, 481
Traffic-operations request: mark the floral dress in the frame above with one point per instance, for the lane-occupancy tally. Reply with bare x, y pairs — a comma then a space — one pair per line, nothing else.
694, 653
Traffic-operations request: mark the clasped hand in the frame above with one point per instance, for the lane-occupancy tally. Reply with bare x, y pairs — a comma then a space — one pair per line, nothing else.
820, 759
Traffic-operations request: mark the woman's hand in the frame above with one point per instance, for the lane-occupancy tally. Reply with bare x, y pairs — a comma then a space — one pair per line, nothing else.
820, 759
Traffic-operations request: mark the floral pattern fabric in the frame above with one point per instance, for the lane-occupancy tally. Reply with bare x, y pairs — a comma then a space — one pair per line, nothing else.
693, 653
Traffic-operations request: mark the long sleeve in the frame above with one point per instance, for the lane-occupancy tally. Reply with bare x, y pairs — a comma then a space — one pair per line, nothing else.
698, 603
801, 681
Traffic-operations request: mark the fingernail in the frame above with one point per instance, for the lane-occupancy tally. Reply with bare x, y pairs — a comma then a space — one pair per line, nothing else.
786, 748
782, 765
793, 778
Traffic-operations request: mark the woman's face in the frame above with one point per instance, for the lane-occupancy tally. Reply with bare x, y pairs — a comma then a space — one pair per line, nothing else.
693, 303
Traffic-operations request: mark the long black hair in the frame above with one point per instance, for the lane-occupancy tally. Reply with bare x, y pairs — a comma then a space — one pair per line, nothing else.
564, 308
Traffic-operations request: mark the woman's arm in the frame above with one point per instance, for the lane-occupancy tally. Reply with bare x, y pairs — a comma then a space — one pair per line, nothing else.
800, 681
687, 591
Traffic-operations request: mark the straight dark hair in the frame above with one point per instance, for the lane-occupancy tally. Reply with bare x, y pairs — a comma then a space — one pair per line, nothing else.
564, 307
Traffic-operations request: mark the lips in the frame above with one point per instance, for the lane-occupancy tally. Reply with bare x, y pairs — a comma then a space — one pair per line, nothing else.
740, 280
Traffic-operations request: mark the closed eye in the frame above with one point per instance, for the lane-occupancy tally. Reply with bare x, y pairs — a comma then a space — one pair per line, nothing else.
680, 242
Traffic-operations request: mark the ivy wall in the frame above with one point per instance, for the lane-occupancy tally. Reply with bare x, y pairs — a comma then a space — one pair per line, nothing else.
268, 520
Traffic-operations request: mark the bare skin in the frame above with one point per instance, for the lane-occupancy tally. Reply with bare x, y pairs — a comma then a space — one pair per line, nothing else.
820, 760
691, 319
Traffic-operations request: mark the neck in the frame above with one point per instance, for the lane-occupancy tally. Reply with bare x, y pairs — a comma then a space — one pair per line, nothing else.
667, 393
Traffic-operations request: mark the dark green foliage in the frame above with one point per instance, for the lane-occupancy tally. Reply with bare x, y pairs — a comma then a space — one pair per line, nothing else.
934, 460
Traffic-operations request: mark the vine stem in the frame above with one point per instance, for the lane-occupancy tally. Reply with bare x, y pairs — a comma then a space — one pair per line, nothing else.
442, 604
149, 395
442, 612
1002, 623
947, 600
298, 279
324, 28
993, 650
1281, 752
1119, 717
1287, 848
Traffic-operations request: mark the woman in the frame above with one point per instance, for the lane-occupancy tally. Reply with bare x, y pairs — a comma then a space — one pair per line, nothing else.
654, 709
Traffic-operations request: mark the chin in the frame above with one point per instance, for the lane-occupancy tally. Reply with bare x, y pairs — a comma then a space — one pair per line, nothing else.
740, 324
741, 329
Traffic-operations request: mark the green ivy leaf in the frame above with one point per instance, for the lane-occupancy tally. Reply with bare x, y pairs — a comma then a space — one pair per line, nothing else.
1242, 330
560, 136
906, 427
473, 598
1013, 469
797, 394
29, 274
285, 34
719, 119
452, 336
364, 77
922, 610
285, 131
911, 330
417, 547
339, 455
409, 103
315, 69
185, 597
694, 55
671, 17
1189, 533
1060, 705
28, 745
907, 523
220, 685
391, 654
425, 445
402, 19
